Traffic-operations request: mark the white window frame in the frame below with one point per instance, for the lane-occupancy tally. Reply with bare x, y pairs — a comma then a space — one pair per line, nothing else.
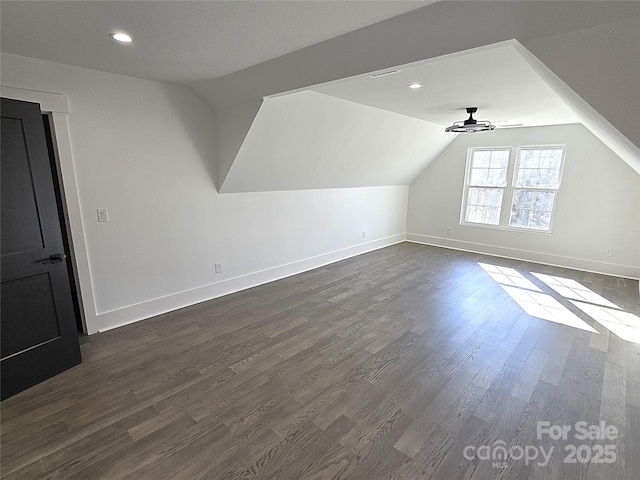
516, 166
509, 189
467, 178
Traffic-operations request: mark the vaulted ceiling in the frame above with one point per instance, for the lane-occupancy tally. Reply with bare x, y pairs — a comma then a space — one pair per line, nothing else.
497, 79
290, 82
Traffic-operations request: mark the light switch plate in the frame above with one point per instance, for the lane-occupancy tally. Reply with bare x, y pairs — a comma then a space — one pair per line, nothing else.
103, 215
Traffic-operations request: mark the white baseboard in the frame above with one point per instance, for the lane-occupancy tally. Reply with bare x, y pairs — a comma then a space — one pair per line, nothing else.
133, 313
587, 265
130, 314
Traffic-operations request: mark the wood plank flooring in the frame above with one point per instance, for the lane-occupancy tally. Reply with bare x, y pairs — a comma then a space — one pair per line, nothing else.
389, 365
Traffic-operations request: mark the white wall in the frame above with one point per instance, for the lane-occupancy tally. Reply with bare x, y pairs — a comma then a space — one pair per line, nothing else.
146, 151
598, 205
308, 139
232, 125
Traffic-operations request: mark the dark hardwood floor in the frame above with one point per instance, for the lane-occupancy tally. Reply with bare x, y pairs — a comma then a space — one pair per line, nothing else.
395, 364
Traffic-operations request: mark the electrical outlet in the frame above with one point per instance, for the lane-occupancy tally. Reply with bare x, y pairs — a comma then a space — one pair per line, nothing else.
103, 215
449, 230
218, 268
364, 234
607, 252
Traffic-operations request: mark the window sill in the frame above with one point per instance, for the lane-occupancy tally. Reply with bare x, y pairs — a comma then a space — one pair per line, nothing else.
505, 228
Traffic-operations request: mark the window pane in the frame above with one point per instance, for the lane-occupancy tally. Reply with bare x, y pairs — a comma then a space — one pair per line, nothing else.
486, 215
489, 168
499, 159
479, 176
547, 178
519, 218
526, 177
492, 215
472, 197
522, 198
539, 219
532, 209
485, 196
539, 168
474, 214
529, 158
483, 205
481, 158
493, 197
551, 158
544, 200
497, 176
471, 215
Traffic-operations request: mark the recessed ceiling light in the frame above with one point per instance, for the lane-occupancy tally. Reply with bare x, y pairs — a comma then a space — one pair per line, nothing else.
121, 37
415, 85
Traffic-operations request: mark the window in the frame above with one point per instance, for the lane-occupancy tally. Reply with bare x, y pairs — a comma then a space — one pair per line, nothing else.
487, 181
535, 174
536, 181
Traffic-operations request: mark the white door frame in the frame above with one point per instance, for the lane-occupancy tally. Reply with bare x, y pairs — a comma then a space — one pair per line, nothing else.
57, 106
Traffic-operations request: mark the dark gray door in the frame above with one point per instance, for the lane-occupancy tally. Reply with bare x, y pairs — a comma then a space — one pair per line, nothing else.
39, 338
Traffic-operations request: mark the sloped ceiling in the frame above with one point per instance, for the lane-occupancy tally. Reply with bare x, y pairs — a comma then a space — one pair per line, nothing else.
373, 130
584, 53
366, 131
509, 84
439, 29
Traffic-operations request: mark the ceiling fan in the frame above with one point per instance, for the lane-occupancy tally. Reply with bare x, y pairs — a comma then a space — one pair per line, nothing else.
471, 125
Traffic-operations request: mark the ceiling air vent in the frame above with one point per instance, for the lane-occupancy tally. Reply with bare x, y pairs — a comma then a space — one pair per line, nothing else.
385, 73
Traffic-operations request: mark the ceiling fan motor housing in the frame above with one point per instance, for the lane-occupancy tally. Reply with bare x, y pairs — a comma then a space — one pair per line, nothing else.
470, 125
471, 120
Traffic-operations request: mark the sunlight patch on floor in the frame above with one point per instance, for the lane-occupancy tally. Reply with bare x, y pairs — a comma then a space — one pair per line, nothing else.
625, 325
573, 290
508, 276
532, 300
536, 303
546, 307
